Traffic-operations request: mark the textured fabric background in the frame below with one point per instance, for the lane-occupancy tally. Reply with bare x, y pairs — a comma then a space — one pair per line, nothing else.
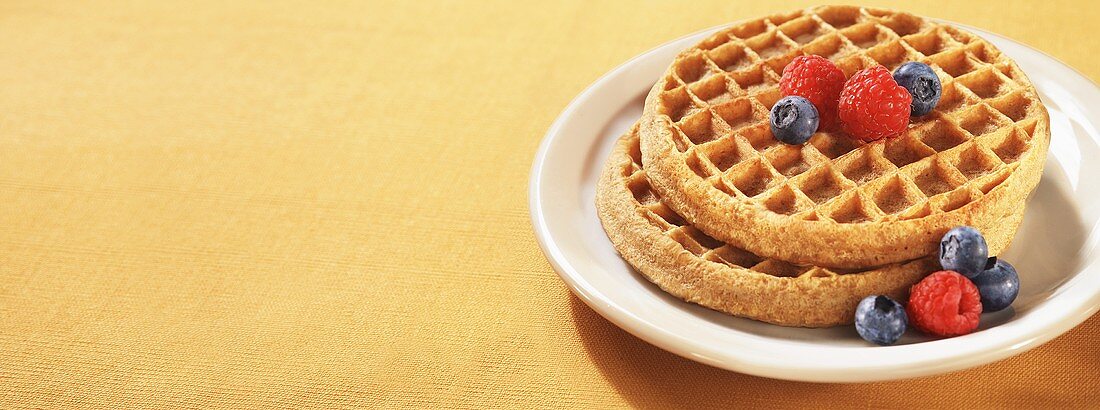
323, 204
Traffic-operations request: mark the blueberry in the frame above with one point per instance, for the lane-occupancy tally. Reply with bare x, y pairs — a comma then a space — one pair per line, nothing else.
880, 320
963, 250
923, 85
793, 119
998, 286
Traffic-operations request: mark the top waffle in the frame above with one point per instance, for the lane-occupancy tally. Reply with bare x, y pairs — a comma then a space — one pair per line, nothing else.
834, 201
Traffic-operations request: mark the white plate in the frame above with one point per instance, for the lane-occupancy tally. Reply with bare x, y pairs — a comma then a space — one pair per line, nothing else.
1055, 250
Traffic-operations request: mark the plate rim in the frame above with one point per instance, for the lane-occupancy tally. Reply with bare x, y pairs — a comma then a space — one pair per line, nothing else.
683, 346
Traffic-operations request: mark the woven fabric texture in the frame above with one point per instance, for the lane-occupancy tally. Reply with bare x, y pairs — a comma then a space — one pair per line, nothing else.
272, 204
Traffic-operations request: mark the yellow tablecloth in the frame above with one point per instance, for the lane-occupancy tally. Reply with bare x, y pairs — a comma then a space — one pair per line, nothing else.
280, 204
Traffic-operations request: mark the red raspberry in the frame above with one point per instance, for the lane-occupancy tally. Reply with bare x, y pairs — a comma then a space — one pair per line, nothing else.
817, 79
873, 106
944, 304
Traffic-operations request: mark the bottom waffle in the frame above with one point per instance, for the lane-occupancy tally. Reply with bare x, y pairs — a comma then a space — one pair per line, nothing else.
692, 266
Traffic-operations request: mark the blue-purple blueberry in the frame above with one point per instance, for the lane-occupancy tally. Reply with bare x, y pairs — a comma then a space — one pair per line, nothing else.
880, 320
793, 120
963, 250
998, 286
923, 85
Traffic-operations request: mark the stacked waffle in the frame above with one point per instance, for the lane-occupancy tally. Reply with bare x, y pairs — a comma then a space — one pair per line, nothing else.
702, 199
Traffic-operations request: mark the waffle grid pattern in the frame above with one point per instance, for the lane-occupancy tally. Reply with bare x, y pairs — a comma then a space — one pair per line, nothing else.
698, 243
717, 97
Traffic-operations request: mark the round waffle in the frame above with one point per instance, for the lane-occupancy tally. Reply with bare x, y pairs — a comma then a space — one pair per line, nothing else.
687, 263
833, 201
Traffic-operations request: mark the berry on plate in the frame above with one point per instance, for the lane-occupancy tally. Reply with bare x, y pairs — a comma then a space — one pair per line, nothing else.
923, 85
873, 106
963, 250
998, 286
944, 304
880, 320
793, 120
817, 79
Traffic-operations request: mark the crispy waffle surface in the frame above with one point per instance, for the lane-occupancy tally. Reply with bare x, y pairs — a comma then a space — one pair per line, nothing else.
974, 160
685, 262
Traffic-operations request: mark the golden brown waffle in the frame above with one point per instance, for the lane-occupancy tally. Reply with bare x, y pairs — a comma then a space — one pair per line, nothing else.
973, 161
695, 267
